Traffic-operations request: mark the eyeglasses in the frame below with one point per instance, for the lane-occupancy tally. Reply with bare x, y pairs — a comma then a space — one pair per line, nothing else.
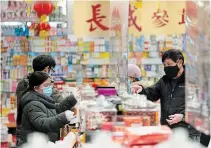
48, 85
51, 69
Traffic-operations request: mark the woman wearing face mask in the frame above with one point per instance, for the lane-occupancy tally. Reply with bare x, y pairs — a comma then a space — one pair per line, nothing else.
134, 75
37, 111
170, 89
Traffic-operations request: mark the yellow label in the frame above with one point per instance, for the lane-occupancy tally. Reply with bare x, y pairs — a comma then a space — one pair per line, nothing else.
5, 111
104, 55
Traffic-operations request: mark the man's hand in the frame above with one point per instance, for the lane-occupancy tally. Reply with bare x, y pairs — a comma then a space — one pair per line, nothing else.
176, 118
136, 89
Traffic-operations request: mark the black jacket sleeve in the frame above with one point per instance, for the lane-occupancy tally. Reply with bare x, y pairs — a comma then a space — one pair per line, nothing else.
38, 118
67, 104
152, 92
205, 139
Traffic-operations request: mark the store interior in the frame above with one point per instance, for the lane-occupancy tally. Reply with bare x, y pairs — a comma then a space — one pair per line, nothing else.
92, 43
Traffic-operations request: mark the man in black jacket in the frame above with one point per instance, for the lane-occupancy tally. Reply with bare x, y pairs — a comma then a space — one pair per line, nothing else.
170, 89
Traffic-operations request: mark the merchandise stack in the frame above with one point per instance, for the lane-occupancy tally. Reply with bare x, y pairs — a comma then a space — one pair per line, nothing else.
130, 120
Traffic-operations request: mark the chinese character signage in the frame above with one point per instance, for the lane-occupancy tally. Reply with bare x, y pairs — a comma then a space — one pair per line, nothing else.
97, 19
91, 18
168, 18
133, 19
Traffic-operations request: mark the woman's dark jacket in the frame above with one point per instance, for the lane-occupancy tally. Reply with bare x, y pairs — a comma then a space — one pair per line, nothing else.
39, 113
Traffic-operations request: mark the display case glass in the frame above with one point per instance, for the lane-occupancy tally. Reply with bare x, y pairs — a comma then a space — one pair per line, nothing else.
198, 65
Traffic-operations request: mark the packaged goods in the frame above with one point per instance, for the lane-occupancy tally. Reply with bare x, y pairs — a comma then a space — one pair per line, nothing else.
94, 113
131, 121
150, 115
118, 134
88, 93
137, 136
138, 105
95, 116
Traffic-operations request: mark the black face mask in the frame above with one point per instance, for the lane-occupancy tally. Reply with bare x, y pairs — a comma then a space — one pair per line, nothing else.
171, 71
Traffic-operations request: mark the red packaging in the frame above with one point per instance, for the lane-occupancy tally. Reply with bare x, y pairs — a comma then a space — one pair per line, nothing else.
118, 134
4, 145
142, 146
153, 115
146, 121
11, 117
13, 138
130, 120
146, 135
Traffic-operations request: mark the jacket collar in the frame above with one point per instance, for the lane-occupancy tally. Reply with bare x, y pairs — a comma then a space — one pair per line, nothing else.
34, 96
45, 98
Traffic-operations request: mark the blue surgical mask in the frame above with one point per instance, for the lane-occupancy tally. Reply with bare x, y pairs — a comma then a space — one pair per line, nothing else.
48, 91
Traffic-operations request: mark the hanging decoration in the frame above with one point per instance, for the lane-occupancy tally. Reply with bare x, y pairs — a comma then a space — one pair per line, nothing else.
44, 26
43, 9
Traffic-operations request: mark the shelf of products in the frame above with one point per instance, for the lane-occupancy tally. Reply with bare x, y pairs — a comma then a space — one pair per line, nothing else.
89, 56
19, 24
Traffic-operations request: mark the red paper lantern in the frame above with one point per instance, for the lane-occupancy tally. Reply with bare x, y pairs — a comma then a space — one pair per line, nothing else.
43, 8
44, 26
